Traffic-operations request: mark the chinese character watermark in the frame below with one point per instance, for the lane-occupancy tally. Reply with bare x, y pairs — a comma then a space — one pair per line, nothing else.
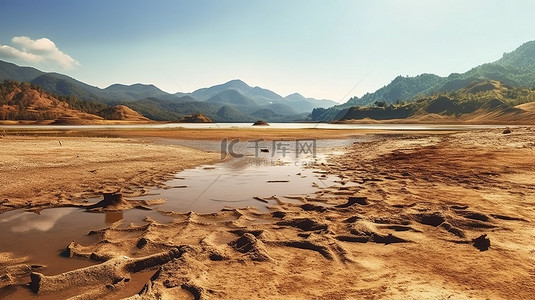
281, 148
305, 147
228, 148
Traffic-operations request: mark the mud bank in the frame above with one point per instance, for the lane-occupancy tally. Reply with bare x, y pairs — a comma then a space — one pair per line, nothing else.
410, 216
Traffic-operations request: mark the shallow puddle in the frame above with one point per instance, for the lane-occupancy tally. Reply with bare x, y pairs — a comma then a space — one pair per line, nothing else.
43, 236
235, 184
205, 189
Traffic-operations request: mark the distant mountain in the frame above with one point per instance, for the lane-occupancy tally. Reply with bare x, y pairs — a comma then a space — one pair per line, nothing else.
401, 88
266, 114
132, 92
229, 114
28, 103
480, 102
57, 85
523, 58
232, 97
14, 72
206, 93
308, 104
284, 108
63, 85
262, 97
249, 102
164, 110
515, 69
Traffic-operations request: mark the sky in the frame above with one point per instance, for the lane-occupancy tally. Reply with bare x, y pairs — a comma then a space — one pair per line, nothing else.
329, 49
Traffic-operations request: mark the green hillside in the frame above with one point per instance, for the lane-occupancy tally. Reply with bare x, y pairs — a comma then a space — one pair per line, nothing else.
476, 100
515, 69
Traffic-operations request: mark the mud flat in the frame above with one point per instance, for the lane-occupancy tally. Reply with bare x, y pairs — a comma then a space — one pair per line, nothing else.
409, 216
54, 171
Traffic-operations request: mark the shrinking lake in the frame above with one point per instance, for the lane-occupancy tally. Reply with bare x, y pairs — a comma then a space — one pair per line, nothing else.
403, 127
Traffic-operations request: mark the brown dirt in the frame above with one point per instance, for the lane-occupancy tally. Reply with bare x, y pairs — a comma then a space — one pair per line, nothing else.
266, 133
523, 115
410, 217
58, 171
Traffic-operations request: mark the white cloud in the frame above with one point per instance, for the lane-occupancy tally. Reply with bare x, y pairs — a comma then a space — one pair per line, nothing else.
41, 51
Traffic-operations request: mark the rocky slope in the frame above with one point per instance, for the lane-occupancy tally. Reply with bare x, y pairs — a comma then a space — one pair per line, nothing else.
26, 103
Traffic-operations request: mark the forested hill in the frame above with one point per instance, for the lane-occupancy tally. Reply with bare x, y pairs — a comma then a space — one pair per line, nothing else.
514, 69
480, 102
233, 101
22, 101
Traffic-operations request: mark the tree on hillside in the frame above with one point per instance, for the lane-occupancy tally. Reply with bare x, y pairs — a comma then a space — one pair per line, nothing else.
380, 103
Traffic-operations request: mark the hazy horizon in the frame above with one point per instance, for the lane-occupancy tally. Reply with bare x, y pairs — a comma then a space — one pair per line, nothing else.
325, 50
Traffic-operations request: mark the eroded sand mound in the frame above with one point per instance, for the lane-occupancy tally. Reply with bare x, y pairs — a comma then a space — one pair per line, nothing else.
409, 217
12, 267
123, 113
195, 118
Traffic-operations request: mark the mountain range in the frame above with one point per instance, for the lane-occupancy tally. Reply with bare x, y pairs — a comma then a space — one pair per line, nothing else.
234, 101
480, 102
26, 103
514, 69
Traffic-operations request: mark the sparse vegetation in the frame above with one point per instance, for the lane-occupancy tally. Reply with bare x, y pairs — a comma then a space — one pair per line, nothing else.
21, 101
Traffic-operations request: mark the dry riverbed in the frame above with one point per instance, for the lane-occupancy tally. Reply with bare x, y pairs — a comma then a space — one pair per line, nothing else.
411, 216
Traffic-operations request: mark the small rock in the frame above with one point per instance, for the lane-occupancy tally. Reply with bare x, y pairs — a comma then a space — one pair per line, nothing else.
260, 123
482, 242
142, 242
507, 131
278, 214
216, 256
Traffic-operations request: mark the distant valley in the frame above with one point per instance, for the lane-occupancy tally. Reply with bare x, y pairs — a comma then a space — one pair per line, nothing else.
497, 92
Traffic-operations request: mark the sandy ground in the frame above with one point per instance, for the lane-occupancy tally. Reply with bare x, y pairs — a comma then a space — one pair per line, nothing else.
242, 133
205, 134
412, 216
62, 170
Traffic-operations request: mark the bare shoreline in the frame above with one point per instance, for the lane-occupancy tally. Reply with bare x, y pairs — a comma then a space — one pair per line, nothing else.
47, 171
401, 222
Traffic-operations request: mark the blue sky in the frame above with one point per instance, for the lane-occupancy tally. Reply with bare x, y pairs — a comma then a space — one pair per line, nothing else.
322, 49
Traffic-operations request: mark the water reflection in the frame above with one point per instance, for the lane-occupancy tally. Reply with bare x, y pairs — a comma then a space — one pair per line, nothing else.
113, 216
236, 182
44, 221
